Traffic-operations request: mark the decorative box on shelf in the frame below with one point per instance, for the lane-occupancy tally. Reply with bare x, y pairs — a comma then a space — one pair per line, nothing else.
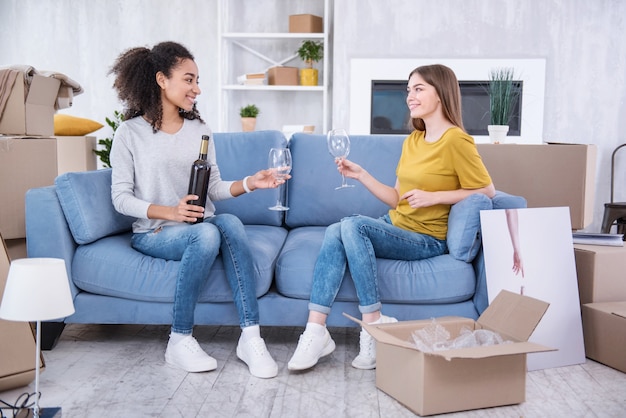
305, 23
284, 76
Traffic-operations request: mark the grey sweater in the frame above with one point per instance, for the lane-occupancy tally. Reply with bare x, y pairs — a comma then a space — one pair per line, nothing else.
151, 168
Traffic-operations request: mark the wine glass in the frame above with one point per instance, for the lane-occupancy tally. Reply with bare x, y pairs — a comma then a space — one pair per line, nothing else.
339, 147
279, 162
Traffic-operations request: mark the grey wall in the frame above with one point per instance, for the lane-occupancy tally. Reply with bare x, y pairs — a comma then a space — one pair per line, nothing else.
582, 41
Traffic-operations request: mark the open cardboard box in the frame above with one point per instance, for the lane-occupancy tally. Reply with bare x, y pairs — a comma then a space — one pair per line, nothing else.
465, 378
32, 112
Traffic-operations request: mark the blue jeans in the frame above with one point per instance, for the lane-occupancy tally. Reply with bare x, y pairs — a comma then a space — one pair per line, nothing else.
196, 247
357, 241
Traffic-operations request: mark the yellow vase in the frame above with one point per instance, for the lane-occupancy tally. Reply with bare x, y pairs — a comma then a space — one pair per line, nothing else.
308, 76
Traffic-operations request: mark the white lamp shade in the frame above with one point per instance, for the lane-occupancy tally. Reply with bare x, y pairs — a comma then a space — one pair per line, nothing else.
37, 289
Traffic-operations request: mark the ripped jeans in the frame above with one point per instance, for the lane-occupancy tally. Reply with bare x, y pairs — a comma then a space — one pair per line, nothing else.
356, 241
196, 247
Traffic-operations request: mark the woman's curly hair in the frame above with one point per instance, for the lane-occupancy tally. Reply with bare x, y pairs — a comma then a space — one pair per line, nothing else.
135, 80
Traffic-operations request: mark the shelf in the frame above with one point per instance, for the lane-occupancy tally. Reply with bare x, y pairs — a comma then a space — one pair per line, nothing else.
271, 88
270, 35
260, 51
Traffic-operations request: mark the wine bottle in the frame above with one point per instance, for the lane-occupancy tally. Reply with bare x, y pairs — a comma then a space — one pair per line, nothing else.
199, 178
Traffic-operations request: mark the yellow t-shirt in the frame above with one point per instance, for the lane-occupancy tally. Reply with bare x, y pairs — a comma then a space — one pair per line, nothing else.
451, 163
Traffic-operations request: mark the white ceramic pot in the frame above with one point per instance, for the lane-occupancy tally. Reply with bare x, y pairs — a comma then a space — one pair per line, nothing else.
497, 133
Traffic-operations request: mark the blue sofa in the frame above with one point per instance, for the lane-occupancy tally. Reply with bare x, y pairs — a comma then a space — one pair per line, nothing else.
114, 284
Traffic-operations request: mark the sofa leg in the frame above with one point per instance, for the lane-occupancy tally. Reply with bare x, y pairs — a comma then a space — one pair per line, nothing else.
50, 333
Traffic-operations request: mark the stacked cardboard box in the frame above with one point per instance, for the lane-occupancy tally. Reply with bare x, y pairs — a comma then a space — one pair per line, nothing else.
602, 289
462, 378
26, 163
17, 350
556, 175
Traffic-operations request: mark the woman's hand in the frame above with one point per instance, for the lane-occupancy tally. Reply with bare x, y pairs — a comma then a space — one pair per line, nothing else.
349, 169
265, 179
417, 198
186, 212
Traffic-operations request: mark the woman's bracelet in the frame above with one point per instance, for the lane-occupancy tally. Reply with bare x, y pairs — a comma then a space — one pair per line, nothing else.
245, 184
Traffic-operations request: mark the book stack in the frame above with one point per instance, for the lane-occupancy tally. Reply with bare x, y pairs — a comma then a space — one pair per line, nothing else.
252, 79
591, 238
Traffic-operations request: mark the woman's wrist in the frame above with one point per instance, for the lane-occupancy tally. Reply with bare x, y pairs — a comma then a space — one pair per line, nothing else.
245, 185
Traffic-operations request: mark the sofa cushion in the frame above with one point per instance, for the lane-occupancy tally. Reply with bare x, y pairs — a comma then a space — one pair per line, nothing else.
86, 201
241, 154
464, 238
311, 193
437, 280
111, 267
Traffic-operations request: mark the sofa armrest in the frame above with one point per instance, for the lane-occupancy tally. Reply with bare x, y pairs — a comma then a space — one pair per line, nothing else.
47, 232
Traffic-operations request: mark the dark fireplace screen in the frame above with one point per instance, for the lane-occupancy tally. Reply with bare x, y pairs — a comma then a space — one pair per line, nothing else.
390, 114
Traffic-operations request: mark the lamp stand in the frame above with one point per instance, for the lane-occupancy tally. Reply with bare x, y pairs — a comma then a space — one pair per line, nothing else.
37, 366
37, 411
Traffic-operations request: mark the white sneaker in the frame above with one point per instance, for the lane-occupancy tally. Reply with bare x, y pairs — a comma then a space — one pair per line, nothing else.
259, 360
189, 356
366, 359
310, 349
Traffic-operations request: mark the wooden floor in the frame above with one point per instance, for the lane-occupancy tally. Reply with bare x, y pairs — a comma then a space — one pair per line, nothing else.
118, 371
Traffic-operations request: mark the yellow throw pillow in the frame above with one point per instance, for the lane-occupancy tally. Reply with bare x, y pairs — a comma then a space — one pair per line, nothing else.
66, 125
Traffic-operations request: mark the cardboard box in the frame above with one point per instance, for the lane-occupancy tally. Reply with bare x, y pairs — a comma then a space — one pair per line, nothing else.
306, 24
26, 163
464, 378
282, 76
547, 175
17, 351
32, 112
600, 270
604, 328
75, 153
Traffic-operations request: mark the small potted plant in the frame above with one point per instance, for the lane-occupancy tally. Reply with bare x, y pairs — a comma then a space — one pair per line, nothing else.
310, 52
502, 97
248, 117
103, 154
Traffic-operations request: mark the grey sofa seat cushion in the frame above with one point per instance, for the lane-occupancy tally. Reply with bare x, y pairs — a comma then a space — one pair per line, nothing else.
111, 267
437, 280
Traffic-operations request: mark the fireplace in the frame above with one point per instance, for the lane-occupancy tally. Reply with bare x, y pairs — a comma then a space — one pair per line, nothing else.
378, 93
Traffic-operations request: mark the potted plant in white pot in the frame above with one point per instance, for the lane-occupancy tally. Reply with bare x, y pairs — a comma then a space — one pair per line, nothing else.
502, 97
248, 117
310, 52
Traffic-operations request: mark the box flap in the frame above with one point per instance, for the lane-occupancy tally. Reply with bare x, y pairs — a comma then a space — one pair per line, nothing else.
377, 332
513, 315
43, 90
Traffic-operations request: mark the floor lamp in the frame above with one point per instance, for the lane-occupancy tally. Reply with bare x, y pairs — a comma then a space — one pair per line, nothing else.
37, 289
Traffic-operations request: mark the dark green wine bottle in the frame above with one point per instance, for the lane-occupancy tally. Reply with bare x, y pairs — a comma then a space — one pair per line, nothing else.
199, 178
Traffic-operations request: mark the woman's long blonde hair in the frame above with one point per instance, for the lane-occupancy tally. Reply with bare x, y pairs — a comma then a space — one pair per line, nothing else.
447, 87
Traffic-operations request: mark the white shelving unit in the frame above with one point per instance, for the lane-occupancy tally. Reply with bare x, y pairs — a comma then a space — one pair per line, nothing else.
232, 45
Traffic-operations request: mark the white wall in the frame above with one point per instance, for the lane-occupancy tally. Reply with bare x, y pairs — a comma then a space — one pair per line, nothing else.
582, 42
